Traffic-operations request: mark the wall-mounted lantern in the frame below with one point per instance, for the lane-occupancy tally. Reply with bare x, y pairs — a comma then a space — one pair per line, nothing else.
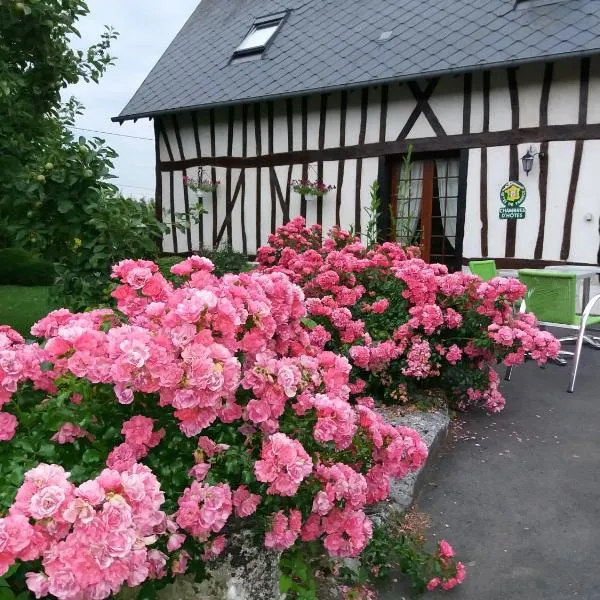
527, 159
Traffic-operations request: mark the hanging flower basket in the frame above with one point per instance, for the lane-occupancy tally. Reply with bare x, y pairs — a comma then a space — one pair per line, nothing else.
201, 185
315, 189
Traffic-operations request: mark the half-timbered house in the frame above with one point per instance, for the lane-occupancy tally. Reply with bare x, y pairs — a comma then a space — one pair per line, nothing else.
259, 93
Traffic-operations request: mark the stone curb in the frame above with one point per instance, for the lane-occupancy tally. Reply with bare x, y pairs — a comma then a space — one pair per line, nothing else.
433, 428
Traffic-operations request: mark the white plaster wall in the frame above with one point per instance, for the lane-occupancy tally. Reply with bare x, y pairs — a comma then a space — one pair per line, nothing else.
498, 160
297, 123
353, 118
265, 203
529, 84
280, 135
373, 116
401, 103
314, 110
500, 110
477, 103
332, 124
221, 132
527, 228
370, 167
472, 236
330, 173
585, 238
447, 103
563, 104
251, 177
594, 92
421, 128
348, 194
295, 199
560, 157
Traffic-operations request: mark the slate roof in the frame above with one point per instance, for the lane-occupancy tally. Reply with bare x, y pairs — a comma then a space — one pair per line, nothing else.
329, 44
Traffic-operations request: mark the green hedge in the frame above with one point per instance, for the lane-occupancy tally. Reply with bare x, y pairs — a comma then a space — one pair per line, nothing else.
225, 260
18, 267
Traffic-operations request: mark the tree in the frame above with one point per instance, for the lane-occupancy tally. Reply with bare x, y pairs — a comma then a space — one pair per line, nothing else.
43, 169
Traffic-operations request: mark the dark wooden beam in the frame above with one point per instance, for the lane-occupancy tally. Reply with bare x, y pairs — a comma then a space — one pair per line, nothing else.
186, 197
158, 194
364, 110
289, 104
213, 174
195, 127
304, 116
258, 142
463, 173
467, 100
270, 125
513, 174
543, 178
422, 98
483, 183
341, 163
245, 108
321, 143
584, 86
485, 139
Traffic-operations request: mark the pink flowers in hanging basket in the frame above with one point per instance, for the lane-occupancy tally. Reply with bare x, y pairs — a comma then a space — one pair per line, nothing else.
201, 185
305, 187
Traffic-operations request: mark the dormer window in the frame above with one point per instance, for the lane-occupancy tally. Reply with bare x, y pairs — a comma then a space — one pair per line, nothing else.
258, 38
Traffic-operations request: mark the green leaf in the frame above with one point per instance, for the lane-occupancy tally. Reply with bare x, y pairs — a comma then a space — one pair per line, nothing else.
6, 594
285, 583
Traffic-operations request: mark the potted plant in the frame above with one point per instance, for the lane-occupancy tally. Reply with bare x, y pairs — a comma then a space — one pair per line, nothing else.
201, 185
311, 189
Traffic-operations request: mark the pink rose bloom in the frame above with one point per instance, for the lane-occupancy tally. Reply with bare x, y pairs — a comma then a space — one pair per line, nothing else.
199, 471
179, 565
445, 549
123, 457
117, 516
138, 277
68, 433
380, 306
8, 426
37, 583
433, 583
46, 502
138, 430
244, 502
209, 447
215, 549
175, 541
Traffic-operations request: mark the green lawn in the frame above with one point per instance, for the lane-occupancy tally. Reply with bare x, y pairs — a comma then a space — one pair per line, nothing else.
21, 307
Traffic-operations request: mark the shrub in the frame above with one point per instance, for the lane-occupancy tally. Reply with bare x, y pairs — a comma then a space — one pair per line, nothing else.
239, 421
114, 227
404, 324
225, 260
19, 267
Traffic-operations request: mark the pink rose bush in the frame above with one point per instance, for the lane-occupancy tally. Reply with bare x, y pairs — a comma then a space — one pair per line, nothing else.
404, 324
138, 440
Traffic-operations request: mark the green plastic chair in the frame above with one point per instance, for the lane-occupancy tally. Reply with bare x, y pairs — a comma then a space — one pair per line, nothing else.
486, 269
552, 297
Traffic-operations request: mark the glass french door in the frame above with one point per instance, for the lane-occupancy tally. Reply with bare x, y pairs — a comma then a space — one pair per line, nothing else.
424, 207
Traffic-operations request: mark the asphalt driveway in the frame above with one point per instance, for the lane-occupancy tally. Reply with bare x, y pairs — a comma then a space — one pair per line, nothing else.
518, 494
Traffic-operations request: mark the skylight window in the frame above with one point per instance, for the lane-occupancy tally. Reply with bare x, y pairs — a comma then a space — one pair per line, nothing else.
258, 38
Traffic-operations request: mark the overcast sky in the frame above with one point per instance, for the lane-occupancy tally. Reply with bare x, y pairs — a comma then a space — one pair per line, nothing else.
146, 28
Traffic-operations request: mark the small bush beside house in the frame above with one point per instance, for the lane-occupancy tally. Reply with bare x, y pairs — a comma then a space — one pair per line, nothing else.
19, 267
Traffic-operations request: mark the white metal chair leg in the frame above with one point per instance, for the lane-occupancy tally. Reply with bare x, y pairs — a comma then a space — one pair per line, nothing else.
577, 356
508, 373
580, 338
